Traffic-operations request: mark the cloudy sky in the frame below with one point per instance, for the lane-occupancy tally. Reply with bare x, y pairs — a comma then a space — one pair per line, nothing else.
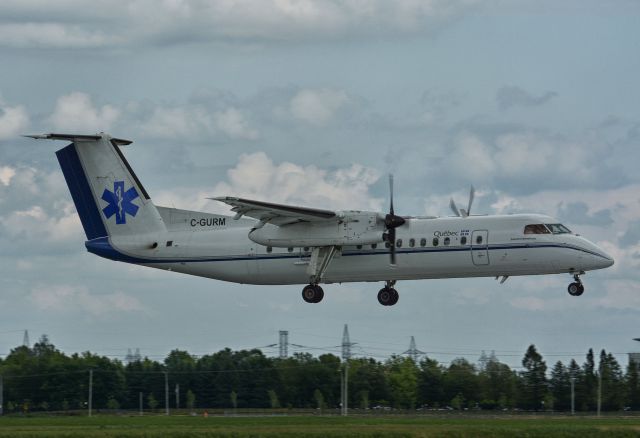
535, 103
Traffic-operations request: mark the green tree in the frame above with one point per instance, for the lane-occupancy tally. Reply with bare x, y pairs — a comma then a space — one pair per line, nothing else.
273, 399
319, 398
632, 379
191, 400
403, 382
431, 383
534, 379
612, 382
234, 399
113, 404
560, 387
460, 378
152, 402
497, 385
587, 385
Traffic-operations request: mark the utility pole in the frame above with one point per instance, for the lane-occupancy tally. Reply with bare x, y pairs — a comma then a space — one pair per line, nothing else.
177, 396
600, 388
1, 396
284, 344
573, 396
140, 396
346, 355
90, 391
25, 339
166, 393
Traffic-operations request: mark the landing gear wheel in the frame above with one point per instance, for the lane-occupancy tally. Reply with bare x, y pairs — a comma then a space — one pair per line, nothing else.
388, 296
319, 294
312, 293
576, 289
396, 296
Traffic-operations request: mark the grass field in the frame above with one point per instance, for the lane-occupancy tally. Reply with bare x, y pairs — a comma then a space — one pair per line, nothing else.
315, 426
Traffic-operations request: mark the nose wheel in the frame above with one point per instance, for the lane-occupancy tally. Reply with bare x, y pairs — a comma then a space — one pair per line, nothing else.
388, 296
576, 288
312, 293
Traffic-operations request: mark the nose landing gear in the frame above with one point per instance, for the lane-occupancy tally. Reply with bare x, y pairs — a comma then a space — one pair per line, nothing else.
388, 296
576, 288
312, 293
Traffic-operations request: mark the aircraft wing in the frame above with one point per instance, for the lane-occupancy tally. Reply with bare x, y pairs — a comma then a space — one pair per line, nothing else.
277, 214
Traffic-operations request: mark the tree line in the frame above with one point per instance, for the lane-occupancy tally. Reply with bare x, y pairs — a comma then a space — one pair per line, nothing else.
42, 378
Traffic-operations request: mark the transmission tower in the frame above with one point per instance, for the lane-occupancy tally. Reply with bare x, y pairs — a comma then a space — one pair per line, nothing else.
284, 344
346, 344
25, 339
413, 352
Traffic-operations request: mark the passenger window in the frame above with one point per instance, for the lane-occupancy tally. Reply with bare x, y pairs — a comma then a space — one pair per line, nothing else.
399, 243
447, 241
423, 242
435, 241
269, 249
374, 245
412, 242
479, 240
536, 229
463, 240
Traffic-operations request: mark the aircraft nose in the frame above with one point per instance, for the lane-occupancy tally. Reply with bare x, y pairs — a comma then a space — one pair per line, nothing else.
604, 260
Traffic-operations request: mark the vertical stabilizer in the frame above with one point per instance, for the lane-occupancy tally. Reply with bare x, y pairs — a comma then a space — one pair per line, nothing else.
108, 195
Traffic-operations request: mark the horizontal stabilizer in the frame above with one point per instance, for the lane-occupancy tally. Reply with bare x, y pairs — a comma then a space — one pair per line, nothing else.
76, 137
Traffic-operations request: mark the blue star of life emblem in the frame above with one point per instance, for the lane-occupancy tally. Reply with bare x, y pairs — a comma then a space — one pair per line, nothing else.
120, 202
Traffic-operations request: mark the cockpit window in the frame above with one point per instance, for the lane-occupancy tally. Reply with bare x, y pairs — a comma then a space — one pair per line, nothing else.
558, 229
536, 229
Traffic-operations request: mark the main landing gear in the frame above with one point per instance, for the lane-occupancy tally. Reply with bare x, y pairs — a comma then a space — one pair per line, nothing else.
576, 288
388, 296
312, 293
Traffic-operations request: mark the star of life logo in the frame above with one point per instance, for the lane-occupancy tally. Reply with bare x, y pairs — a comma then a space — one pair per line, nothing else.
120, 202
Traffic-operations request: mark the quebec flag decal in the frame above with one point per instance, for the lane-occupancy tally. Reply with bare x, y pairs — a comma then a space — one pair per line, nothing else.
120, 202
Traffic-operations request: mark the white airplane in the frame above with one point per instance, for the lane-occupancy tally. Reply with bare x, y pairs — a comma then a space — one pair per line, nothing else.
275, 244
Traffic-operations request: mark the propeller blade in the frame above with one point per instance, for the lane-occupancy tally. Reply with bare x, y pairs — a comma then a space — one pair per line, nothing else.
392, 247
472, 195
454, 207
391, 193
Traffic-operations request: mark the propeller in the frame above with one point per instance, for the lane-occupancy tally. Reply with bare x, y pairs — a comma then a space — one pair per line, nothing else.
391, 222
462, 212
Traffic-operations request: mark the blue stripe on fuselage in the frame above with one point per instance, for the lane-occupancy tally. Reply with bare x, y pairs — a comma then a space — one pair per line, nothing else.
103, 248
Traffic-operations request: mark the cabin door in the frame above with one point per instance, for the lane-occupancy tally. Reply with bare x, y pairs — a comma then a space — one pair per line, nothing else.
480, 247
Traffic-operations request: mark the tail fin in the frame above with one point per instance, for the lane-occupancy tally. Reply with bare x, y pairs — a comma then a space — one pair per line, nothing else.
108, 195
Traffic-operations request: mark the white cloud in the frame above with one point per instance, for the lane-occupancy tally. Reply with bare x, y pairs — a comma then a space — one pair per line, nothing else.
317, 107
52, 35
36, 223
118, 23
67, 298
13, 120
178, 122
621, 294
256, 176
76, 112
6, 174
233, 123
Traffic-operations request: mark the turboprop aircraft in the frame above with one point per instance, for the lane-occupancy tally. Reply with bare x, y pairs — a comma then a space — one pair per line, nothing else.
266, 243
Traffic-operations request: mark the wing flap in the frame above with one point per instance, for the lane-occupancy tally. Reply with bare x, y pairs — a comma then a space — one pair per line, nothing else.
277, 214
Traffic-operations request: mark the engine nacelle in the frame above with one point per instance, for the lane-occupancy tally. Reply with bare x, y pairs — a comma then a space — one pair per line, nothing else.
355, 228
